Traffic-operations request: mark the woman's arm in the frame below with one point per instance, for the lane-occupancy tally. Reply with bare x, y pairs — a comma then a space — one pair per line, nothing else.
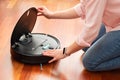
65, 14
57, 54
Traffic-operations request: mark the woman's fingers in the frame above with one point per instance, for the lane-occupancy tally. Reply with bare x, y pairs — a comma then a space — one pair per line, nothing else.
52, 60
49, 53
39, 14
40, 11
56, 54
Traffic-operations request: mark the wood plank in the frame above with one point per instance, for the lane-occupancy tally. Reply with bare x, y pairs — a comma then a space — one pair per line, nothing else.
11, 3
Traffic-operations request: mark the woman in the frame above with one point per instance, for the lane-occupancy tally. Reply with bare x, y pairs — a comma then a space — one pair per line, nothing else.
104, 52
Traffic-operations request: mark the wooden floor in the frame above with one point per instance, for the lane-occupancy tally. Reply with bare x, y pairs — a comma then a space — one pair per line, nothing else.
66, 31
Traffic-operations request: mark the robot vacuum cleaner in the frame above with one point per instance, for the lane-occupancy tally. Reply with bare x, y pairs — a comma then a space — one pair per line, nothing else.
27, 47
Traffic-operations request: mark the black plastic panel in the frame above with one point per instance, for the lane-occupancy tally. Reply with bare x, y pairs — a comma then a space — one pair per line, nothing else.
24, 25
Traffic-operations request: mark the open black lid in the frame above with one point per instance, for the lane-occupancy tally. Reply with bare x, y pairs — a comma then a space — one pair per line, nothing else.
24, 25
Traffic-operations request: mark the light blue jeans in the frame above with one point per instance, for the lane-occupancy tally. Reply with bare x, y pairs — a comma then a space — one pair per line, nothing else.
104, 53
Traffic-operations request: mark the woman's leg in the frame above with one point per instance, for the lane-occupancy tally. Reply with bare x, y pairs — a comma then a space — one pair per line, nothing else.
104, 54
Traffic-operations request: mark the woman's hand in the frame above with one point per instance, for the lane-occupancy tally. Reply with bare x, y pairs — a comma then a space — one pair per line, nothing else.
43, 11
57, 54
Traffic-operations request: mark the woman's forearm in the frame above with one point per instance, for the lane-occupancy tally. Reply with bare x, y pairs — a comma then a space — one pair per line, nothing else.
73, 48
65, 14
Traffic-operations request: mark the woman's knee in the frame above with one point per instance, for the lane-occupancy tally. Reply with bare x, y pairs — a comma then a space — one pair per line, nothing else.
89, 65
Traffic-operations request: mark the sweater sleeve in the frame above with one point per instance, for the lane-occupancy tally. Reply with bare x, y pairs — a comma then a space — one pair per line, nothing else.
93, 11
80, 10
